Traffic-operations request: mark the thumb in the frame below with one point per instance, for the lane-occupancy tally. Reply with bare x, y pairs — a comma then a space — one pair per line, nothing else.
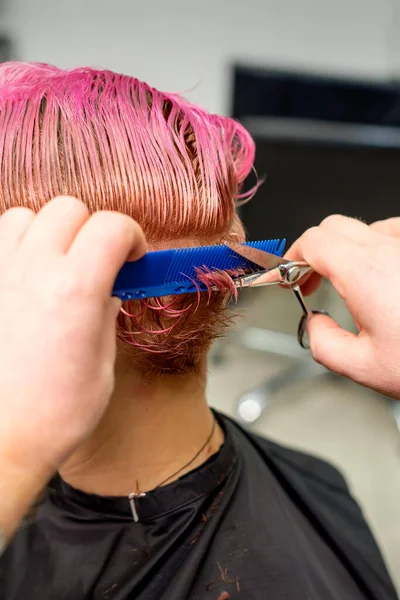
337, 349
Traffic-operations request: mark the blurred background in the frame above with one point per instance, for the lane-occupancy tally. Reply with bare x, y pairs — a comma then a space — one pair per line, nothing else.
317, 83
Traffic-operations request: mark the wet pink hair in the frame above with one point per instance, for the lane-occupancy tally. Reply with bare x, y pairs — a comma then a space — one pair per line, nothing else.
116, 143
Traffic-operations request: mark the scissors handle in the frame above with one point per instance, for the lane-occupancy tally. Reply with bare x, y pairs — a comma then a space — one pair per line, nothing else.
300, 298
292, 272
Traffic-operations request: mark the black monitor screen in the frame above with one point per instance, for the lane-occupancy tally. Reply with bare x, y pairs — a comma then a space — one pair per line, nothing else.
324, 146
306, 182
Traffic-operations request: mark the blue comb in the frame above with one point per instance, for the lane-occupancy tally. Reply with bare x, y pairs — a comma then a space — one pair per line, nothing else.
170, 272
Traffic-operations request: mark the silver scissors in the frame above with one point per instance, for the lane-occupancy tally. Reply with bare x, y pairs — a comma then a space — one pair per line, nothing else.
277, 270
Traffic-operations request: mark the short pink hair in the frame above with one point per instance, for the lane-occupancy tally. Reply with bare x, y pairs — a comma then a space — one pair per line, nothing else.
116, 143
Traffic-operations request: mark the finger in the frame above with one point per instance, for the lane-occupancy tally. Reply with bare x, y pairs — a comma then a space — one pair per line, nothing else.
56, 225
13, 227
388, 226
330, 254
355, 229
311, 284
103, 245
337, 349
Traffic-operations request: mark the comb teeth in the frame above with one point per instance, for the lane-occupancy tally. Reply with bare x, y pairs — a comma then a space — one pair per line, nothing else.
169, 272
214, 257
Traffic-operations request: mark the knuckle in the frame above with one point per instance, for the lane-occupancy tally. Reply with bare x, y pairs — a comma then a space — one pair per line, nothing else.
378, 226
70, 204
311, 235
333, 220
116, 226
18, 212
108, 220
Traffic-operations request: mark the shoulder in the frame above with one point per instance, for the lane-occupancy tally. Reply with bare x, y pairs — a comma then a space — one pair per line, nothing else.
306, 466
298, 464
19, 552
321, 492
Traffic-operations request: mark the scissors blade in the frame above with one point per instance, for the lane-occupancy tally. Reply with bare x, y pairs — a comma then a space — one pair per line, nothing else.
276, 270
262, 259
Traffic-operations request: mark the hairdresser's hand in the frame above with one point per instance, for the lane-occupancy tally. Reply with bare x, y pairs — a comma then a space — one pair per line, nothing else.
363, 264
57, 331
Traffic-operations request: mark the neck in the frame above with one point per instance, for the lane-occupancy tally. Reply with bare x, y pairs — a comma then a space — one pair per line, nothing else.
149, 431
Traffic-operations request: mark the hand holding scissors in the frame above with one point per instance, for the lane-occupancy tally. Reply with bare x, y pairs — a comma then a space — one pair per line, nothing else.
363, 264
277, 270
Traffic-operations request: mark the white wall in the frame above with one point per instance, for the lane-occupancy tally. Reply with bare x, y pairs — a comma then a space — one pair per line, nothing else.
182, 44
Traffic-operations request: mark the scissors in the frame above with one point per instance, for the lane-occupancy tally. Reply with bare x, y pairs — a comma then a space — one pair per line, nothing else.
277, 270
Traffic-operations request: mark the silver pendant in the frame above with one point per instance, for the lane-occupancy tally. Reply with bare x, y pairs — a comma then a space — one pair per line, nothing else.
132, 497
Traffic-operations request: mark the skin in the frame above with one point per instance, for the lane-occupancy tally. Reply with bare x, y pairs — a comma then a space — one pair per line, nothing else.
57, 271
361, 262
150, 430
57, 377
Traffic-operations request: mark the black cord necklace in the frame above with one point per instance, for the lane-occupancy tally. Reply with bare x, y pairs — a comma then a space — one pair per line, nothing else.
138, 494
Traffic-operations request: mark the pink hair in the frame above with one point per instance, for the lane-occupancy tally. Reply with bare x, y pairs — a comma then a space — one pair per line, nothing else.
116, 143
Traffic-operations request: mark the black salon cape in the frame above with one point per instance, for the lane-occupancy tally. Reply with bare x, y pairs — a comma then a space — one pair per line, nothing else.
257, 521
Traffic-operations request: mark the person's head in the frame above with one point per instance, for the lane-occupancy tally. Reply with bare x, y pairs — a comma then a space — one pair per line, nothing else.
116, 143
